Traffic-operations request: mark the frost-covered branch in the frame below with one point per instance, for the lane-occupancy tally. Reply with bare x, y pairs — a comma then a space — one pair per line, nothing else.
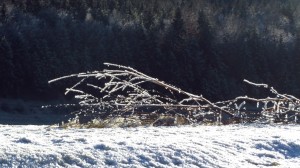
123, 91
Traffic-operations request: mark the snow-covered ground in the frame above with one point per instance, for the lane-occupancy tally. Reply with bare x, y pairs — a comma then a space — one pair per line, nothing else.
186, 146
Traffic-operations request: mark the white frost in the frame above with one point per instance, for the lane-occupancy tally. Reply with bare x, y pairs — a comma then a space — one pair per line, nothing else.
186, 146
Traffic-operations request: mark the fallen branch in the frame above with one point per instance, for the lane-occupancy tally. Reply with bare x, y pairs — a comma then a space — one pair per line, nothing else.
124, 91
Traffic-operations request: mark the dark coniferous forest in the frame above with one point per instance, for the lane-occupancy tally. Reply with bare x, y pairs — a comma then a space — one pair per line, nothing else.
204, 46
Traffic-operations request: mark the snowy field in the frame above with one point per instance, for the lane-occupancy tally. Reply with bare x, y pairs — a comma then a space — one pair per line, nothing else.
186, 146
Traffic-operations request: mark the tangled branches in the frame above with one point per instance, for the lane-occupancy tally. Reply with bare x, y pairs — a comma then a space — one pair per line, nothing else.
122, 91
279, 108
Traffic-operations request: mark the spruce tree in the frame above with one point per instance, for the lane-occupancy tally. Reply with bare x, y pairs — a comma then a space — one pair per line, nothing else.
7, 75
173, 49
3, 14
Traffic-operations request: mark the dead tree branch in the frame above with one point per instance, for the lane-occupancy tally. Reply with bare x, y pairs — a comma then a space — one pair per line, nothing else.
123, 91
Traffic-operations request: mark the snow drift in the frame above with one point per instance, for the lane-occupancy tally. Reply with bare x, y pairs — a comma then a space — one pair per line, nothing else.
185, 146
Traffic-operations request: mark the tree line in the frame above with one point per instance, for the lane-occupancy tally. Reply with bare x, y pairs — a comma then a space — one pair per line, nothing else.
206, 47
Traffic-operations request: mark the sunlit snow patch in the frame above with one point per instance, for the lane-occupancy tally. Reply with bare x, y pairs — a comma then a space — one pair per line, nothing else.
186, 146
